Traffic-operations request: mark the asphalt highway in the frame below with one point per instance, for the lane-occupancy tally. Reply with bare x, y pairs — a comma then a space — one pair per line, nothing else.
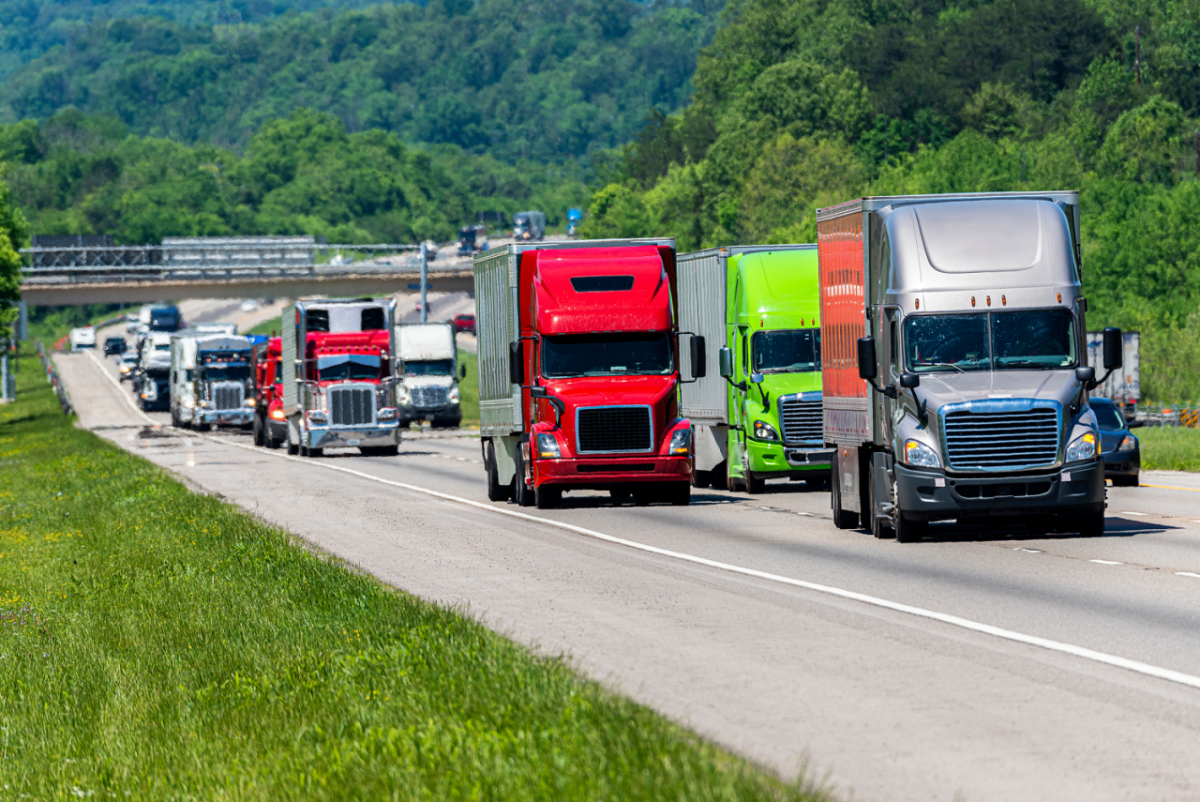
981, 664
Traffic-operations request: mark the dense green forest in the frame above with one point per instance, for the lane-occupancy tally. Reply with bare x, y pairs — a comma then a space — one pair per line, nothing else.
800, 104
28, 28
77, 174
542, 79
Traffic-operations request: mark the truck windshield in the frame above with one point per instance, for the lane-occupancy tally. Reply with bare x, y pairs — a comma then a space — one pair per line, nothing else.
797, 351
158, 374
1033, 340
227, 372
428, 367
343, 367
606, 355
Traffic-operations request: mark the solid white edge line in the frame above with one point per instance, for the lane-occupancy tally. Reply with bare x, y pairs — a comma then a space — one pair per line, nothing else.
944, 618
120, 391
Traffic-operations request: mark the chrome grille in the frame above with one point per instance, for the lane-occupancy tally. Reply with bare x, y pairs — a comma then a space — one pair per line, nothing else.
613, 429
351, 406
227, 395
801, 420
992, 440
429, 397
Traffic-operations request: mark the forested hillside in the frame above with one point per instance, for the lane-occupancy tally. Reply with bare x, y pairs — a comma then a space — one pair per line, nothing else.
543, 79
76, 174
801, 104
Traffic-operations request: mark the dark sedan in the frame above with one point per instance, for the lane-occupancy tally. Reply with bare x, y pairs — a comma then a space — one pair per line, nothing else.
1120, 447
114, 346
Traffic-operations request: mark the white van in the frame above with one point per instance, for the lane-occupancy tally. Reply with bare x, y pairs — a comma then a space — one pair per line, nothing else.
84, 337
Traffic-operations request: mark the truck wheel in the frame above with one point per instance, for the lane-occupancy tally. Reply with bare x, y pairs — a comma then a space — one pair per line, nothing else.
908, 530
702, 479
271, 442
876, 524
680, 494
522, 492
258, 432
547, 496
495, 490
754, 485
842, 519
293, 448
718, 474
1091, 525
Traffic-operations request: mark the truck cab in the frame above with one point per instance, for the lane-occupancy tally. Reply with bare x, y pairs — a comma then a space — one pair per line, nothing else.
152, 386
579, 372
337, 359
211, 380
428, 374
270, 423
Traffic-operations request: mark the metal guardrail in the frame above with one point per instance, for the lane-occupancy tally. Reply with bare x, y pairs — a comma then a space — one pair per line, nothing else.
64, 400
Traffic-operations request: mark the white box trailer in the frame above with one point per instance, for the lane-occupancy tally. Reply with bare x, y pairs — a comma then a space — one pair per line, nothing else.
1124, 386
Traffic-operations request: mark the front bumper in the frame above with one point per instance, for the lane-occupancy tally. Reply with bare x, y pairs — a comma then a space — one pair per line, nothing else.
611, 472
230, 417
410, 413
774, 460
352, 437
1123, 463
1078, 489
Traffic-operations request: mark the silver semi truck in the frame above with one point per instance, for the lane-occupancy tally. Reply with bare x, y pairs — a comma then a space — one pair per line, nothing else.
210, 380
428, 374
955, 363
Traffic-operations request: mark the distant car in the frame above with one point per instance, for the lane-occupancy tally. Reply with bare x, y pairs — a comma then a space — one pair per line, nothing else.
131, 323
249, 305
127, 365
1119, 447
83, 337
464, 323
114, 346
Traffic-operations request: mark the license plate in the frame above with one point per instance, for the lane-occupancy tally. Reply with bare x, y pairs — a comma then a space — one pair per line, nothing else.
351, 442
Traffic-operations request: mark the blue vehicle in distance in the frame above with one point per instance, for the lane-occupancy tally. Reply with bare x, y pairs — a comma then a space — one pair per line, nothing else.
1119, 447
574, 219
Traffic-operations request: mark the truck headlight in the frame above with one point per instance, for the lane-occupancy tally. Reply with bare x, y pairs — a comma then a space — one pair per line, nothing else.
920, 455
125, 368
250, 402
1130, 443
402, 395
1083, 448
764, 431
387, 414
204, 403
317, 416
547, 446
189, 403
681, 442
454, 396
277, 414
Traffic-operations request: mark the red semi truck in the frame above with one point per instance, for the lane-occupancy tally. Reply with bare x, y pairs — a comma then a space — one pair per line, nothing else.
270, 424
578, 371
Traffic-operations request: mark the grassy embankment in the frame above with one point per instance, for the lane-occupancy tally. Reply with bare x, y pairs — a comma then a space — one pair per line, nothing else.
159, 644
1166, 448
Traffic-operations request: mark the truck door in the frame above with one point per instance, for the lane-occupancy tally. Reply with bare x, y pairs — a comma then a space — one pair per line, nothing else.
891, 359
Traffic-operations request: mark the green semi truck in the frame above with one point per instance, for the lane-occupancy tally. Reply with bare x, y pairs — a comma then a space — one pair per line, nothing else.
753, 315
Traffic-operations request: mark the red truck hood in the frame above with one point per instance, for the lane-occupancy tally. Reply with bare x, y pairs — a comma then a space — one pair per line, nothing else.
657, 392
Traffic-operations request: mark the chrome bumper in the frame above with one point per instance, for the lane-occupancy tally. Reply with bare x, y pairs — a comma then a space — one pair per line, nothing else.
352, 437
239, 417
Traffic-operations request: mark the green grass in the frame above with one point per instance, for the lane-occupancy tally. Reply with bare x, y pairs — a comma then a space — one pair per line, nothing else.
469, 388
1165, 448
157, 644
268, 327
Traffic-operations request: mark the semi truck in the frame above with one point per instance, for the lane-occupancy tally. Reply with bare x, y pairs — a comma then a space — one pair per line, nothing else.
428, 374
756, 412
578, 371
955, 373
270, 422
338, 370
210, 380
529, 226
152, 384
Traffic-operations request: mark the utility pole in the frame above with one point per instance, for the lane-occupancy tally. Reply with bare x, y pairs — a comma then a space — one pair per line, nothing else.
1137, 55
424, 281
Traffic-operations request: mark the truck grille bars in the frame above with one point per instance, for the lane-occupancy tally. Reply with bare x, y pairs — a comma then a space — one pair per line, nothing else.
1002, 440
228, 395
613, 429
429, 397
351, 406
801, 419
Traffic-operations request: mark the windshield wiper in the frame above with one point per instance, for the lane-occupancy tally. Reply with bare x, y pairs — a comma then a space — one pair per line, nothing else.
1027, 363
940, 365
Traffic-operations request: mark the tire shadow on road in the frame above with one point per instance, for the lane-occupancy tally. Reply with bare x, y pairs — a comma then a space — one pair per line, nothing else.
1114, 526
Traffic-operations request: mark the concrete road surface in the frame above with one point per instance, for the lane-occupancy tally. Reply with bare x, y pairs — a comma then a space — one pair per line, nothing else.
977, 665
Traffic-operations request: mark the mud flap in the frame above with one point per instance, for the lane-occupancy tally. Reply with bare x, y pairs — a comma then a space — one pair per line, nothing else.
506, 457
848, 478
884, 484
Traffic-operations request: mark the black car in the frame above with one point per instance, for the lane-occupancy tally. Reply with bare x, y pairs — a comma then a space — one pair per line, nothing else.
114, 346
1119, 447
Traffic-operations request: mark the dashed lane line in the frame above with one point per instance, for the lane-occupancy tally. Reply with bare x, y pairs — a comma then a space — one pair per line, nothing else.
1092, 655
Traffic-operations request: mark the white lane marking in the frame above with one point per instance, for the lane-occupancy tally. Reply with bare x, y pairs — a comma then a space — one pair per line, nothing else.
1139, 667
1105, 562
121, 392
1130, 512
1187, 573
1028, 551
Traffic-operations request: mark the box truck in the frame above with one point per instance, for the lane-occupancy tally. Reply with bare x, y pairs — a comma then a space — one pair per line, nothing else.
338, 365
954, 358
428, 374
578, 372
756, 412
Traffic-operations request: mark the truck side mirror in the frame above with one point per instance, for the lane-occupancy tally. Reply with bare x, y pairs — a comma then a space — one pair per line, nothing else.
756, 378
725, 360
699, 358
1135, 424
462, 371
516, 370
910, 381
1085, 375
867, 367
1114, 348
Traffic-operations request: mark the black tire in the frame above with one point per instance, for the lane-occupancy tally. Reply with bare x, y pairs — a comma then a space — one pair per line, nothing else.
719, 474
842, 519
522, 492
644, 497
877, 525
259, 438
292, 448
1040, 525
1125, 481
1091, 525
820, 483
702, 479
496, 491
620, 496
908, 530
754, 485
680, 494
316, 453
547, 496
732, 483
271, 442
